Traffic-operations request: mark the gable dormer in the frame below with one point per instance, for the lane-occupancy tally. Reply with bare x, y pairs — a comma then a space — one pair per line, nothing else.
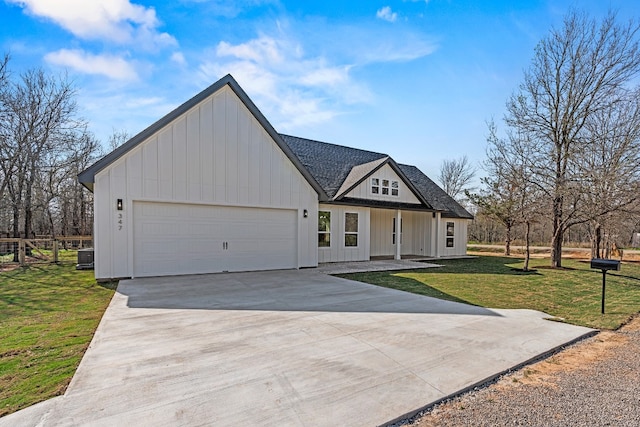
382, 184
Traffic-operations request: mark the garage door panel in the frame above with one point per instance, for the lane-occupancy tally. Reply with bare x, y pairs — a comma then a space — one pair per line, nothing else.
188, 239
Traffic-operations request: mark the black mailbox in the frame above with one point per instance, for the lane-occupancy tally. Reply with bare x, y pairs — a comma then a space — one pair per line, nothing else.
605, 264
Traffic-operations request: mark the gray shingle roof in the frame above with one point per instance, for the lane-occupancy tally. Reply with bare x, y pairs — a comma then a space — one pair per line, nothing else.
358, 173
331, 165
434, 194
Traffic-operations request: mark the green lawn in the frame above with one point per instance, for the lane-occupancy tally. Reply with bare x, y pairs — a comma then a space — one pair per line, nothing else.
572, 293
48, 314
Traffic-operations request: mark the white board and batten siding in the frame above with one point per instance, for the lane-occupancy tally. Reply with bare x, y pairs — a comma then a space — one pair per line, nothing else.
337, 251
459, 237
363, 190
215, 156
415, 236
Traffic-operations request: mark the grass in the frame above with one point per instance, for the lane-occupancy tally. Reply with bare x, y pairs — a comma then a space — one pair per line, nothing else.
48, 314
572, 293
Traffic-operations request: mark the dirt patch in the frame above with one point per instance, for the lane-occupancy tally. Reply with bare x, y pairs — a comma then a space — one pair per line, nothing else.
8, 267
576, 357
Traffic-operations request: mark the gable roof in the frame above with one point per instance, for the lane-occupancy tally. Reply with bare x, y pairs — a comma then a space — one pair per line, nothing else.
87, 177
359, 173
329, 164
338, 169
438, 198
332, 170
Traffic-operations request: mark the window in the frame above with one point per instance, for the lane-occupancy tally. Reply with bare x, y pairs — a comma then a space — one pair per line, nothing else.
393, 237
385, 187
350, 229
324, 229
375, 186
450, 233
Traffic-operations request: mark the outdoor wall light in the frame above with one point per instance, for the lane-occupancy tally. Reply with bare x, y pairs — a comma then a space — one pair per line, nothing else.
119, 204
305, 213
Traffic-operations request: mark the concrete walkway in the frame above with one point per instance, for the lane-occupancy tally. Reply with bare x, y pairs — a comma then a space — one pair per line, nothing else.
286, 348
378, 265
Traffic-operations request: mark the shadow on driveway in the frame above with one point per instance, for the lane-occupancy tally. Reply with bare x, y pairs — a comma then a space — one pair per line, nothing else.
285, 290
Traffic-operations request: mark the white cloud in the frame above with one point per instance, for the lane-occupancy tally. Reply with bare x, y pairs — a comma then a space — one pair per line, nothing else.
368, 44
303, 79
326, 76
178, 58
118, 21
386, 14
294, 89
263, 49
231, 8
114, 67
143, 102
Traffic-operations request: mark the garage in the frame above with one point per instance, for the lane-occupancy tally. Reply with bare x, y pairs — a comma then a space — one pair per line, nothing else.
209, 187
179, 238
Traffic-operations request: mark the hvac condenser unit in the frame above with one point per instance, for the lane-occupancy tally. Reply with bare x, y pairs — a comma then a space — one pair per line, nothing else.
85, 259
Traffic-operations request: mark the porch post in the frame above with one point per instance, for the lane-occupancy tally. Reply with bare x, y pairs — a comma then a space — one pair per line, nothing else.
435, 237
398, 233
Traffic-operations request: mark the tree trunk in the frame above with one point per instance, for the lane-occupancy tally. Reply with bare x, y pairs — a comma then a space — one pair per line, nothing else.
507, 241
558, 233
16, 231
527, 252
28, 213
50, 218
556, 250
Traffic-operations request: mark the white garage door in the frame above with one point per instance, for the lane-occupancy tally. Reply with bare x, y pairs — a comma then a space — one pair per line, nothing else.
172, 239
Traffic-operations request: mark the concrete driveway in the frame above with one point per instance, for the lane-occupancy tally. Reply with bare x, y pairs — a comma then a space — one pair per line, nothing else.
283, 348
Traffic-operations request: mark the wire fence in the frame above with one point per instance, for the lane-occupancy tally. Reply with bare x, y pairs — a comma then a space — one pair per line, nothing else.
21, 252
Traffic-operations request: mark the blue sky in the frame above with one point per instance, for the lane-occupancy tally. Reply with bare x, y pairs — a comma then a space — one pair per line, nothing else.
414, 79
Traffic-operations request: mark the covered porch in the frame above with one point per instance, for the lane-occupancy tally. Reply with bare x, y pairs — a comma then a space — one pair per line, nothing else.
408, 234
401, 233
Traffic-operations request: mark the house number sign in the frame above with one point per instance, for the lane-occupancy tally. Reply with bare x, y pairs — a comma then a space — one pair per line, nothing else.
119, 215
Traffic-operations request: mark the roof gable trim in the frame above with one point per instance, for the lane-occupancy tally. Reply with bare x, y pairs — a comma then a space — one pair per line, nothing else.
359, 174
394, 166
87, 177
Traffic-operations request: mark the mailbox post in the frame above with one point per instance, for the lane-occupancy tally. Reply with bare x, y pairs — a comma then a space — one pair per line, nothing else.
605, 265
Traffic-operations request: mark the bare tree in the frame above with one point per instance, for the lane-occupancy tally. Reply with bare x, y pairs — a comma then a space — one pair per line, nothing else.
61, 196
496, 201
508, 196
456, 176
117, 138
5, 152
579, 70
611, 167
43, 145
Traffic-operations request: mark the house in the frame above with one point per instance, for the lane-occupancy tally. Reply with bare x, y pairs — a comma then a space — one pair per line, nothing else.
213, 187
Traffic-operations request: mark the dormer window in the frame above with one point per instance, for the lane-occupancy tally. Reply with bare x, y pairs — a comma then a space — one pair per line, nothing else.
375, 186
385, 187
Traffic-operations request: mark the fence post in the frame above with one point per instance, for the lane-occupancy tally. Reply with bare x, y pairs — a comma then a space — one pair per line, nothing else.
55, 251
22, 253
